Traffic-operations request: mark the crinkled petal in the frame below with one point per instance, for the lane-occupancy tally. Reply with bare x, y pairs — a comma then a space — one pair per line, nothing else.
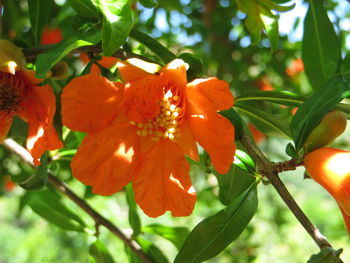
214, 132
162, 181
142, 97
186, 141
90, 103
216, 91
105, 159
130, 73
5, 125
42, 136
175, 71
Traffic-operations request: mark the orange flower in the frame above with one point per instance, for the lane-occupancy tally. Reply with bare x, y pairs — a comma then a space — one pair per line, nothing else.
296, 67
140, 132
106, 62
51, 35
20, 95
264, 84
330, 168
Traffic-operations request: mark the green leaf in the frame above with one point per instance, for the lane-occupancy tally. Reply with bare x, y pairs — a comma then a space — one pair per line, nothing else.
271, 5
148, 3
56, 53
39, 178
99, 253
215, 233
271, 27
320, 47
116, 23
162, 52
292, 152
195, 63
171, 5
244, 161
282, 97
236, 120
47, 204
154, 253
326, 255
134, 218
233, 184
85, 8
175, 235
345, 68
270, 121
39, 14
132, 257
313, 110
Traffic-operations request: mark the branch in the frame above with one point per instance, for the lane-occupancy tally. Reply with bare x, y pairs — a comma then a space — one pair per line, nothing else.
17, 149
267, 169
32, 52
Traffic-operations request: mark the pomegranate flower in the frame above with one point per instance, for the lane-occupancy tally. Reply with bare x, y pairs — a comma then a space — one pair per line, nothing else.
20, 95
330, 168
140, 132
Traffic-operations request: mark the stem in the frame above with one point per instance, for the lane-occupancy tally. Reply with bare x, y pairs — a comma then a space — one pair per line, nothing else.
267, 169
17, 149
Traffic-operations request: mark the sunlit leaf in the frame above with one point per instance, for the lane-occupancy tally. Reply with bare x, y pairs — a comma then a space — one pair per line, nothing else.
85, 8
56, 53
320, 48
134, 218
215, 233
149, 3
116, 23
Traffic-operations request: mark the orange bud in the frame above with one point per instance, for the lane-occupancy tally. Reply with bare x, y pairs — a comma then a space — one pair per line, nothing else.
330, 168
332, 125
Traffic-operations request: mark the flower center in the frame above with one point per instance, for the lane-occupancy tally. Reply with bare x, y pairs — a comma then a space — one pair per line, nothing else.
165, 125
9, 98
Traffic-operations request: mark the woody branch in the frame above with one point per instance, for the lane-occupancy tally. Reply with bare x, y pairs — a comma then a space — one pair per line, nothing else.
17, 149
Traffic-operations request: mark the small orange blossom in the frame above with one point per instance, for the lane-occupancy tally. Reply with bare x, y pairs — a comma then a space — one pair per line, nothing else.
330, 168
51, 35
20, 95
140, 132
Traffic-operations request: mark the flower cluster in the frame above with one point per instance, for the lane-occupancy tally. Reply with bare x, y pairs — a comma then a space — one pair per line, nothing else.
140, 130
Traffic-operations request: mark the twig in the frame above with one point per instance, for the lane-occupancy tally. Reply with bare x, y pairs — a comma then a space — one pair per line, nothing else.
265, 168
17, 149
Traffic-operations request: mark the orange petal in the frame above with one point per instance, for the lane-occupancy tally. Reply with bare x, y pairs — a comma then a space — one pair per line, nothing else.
104, 160
51, 35
42, 136
162, 181
346, 219
90, 102
214, 132
176, 72
130, 72
5, 125
142, 97
216, 91
186, 141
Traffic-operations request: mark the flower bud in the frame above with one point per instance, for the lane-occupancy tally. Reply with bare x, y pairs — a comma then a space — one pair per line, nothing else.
330, 168
60, 70
331, 126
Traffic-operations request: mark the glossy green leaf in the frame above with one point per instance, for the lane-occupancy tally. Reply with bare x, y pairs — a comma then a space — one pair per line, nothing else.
99, 253
282, 97
39, 14
56, 53
195, 63
345, 68
236, 120
134, 218
271, 27
272, 5
162, 52
116, 23
85, 8
233, 184
47, 204
270, 121
320, 47
326, 255
38, 179
313, 110
244, 161
153, 252
175, 235
292, 152
149, 3
215, 233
